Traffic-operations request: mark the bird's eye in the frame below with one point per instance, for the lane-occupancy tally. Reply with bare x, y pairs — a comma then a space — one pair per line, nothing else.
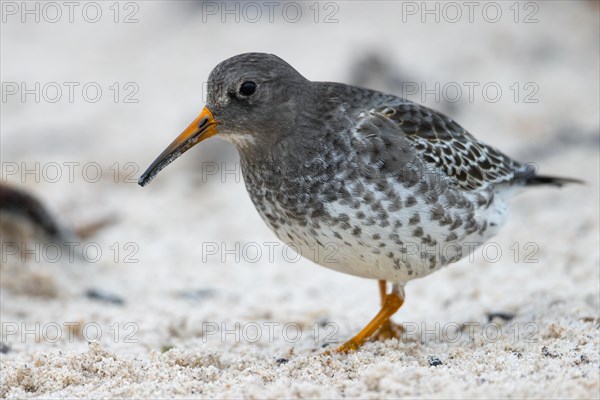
247, 88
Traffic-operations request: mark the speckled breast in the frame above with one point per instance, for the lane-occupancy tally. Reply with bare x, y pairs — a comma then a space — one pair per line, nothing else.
378, 229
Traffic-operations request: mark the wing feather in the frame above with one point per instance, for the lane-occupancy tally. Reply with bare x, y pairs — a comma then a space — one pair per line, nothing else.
445, 145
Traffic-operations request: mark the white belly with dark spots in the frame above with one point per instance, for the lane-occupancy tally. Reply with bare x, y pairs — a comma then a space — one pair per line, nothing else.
410, 242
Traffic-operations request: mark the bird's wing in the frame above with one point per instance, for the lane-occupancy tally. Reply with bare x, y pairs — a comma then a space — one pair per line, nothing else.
445, 145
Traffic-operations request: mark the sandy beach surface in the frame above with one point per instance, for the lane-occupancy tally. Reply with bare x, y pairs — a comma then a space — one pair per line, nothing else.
179, 290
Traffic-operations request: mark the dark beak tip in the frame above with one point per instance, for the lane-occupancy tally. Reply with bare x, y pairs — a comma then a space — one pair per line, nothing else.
144, 180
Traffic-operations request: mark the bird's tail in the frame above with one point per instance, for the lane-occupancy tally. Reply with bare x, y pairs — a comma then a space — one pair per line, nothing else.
536, 180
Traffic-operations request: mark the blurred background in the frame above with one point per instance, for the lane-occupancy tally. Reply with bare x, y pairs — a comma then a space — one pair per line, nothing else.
92, 93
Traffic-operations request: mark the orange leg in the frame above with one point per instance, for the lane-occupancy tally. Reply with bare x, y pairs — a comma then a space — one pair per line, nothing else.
390, 304
382, 290
389, 330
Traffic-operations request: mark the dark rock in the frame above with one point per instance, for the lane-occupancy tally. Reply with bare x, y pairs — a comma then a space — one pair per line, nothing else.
20, 203
5, 348
500, 315
104, 296
547, 353
433, 361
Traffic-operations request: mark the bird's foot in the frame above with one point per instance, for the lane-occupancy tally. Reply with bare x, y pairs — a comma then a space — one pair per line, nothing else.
389, 330
391, 304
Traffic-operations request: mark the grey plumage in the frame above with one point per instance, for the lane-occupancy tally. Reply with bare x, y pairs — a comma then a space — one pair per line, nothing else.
388, 183
356, 180
326, 162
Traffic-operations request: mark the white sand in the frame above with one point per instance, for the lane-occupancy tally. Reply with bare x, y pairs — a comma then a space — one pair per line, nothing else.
161, 342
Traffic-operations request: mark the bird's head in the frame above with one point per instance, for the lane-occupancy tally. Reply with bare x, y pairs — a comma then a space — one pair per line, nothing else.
253, 99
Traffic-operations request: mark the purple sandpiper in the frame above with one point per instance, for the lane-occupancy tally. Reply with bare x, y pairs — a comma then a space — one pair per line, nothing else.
395, 187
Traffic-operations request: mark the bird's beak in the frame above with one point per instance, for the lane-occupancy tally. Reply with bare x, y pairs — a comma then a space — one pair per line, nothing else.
201, 128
